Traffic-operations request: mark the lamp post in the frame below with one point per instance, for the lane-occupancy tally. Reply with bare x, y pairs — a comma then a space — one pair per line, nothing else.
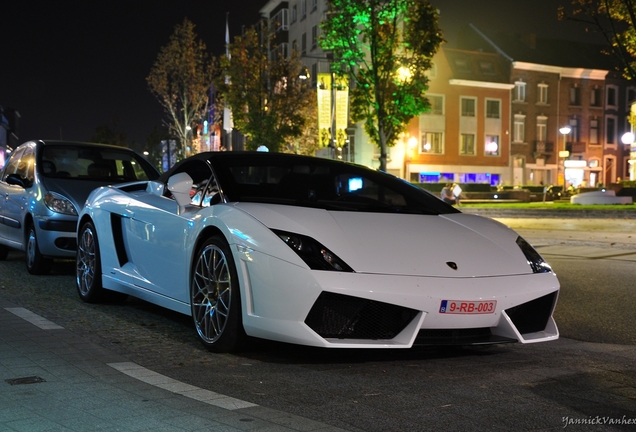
565, 130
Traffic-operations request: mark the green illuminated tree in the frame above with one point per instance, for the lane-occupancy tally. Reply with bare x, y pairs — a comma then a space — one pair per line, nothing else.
615, 20
385, 47
267, 98
180, 79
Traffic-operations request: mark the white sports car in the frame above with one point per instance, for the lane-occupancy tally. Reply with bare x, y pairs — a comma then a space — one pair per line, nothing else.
314, 252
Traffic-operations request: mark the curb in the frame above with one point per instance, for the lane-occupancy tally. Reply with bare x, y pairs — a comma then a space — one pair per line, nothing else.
547, 213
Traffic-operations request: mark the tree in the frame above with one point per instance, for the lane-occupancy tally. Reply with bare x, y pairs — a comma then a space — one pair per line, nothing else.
107, 134
264, 91
180, 79
385, 47
615, 20
308, 142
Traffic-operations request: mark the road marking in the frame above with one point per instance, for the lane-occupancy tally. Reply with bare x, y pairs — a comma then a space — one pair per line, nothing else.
34, 319
156, 379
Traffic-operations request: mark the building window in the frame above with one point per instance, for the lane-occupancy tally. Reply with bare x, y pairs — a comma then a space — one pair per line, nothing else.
519, 128
303, 44
294, 13
467, 145
542, 93
573, 136
468, 107
314, 5
542, 128
595, 97
303, 9
314, 37
593, 131
462, 65
493, 108
492, 145
612, 96
432, 72
487, 68
520, 91
631, 95
280, 21
574, 95
610, 130
432, 143
437, 104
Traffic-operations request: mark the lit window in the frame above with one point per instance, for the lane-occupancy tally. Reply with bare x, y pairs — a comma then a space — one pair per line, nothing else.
492, 145
467, 145
432, 143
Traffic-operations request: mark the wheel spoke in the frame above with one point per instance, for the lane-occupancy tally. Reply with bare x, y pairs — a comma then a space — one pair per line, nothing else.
211, 293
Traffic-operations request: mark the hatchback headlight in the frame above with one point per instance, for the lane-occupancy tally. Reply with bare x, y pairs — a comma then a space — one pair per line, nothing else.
315, 255
536, 261
59, 204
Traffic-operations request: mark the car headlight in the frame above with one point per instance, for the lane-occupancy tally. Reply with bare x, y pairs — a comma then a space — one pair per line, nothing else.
59, 204
535, 261
315, 255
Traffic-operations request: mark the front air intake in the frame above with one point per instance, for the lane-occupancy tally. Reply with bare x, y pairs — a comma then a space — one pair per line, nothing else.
338, 316
533, 316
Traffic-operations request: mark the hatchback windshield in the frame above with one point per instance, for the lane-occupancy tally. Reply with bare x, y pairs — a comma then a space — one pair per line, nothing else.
93, 163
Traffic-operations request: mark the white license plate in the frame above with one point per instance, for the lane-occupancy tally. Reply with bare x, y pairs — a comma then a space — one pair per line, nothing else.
468, 307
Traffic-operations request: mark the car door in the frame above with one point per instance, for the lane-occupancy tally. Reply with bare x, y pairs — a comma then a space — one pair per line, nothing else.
15, 197
158, 237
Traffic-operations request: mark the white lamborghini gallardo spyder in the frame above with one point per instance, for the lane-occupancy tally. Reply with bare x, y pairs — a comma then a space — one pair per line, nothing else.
312, 251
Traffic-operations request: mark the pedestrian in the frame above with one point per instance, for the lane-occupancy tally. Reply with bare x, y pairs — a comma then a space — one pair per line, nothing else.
447, 194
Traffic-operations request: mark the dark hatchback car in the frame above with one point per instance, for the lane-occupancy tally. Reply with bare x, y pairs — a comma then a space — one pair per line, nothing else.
43, 187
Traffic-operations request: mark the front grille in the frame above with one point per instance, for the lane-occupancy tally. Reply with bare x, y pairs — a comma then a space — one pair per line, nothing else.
469, 336
533, 316
339, 316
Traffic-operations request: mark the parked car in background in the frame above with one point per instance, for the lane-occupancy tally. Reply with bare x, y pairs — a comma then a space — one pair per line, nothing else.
312, 251
43, 187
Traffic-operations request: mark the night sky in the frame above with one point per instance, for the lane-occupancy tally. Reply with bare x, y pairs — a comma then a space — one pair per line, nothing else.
71, 66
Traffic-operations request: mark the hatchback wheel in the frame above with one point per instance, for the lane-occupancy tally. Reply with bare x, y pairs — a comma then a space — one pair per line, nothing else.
36, 263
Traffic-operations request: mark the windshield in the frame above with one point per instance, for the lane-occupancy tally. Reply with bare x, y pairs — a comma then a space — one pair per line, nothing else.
322, 183
93, 163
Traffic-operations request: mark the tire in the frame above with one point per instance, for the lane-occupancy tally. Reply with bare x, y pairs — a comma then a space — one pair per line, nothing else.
36, 263
215, 297
88, 275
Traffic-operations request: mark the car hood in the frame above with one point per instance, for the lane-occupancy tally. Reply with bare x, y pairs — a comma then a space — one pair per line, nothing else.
452, 245
76, 191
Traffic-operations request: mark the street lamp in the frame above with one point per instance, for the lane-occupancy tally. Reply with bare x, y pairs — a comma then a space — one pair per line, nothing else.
628, 138
565, 130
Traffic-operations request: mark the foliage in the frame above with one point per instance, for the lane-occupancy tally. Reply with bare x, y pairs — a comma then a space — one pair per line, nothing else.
154, 147
616, 21
107, 134
308, 142
267, 98
385, 47
180, 79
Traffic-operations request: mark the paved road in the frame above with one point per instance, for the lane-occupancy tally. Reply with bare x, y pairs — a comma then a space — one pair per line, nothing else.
137, 367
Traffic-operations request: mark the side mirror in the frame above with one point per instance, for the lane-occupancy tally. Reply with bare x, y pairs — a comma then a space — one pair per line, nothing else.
180, 186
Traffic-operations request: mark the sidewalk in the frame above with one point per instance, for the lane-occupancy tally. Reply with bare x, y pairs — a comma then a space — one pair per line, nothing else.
54, 380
